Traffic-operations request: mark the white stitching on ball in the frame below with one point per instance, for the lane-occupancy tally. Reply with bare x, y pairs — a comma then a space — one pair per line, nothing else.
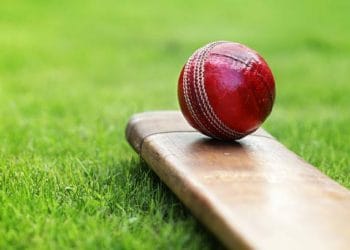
186, 90
199, 92
213, 118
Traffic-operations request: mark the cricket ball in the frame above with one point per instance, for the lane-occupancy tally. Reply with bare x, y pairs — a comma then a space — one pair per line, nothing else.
226, 90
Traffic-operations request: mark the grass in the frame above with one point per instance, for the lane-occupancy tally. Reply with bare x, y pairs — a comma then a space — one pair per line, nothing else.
72, 72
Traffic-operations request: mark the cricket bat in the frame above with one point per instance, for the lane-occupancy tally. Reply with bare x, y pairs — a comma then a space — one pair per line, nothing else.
252, 194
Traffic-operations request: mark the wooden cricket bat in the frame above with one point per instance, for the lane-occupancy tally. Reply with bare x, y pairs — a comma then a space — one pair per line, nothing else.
252, 194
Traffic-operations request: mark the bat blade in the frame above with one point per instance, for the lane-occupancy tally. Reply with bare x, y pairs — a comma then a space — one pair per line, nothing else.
252, 194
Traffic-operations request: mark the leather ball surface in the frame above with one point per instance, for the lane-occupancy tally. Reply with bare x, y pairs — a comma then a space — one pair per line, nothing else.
226, 90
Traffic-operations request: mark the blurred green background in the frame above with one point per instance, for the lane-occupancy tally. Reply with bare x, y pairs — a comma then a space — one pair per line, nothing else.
72, 72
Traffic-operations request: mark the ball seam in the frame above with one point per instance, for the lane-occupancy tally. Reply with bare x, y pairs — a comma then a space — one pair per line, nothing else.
186, 91
211, 115
197, 90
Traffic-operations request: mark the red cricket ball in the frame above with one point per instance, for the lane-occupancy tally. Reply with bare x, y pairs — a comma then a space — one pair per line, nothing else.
226, 90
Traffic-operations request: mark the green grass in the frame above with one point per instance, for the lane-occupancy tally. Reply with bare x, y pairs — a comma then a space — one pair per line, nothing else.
72, 72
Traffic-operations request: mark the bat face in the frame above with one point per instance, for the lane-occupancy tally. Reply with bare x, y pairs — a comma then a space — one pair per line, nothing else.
252, 194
